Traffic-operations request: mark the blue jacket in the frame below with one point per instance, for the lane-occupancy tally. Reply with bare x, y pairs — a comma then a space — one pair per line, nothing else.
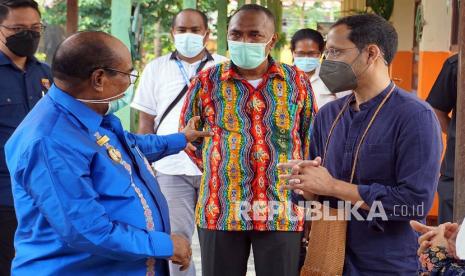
77, 209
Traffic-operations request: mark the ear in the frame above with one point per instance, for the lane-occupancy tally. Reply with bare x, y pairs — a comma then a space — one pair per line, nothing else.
98, 80
274, 40
207, 36
172, 34
374, 53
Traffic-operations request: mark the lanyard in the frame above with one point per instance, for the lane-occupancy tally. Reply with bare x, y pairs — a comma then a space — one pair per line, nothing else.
184, 72
339, 116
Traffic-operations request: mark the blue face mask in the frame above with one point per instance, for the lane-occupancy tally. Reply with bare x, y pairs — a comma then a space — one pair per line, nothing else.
116, 105
189, 44
306, 64
247, 55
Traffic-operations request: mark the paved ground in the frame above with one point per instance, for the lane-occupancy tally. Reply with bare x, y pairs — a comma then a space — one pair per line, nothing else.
197, 261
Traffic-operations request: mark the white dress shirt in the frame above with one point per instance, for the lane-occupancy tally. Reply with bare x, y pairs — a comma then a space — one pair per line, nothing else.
160, 83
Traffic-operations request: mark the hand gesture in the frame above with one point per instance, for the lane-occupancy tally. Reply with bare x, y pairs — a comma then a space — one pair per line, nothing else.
308, 178
430, 235
182, 251
192, 134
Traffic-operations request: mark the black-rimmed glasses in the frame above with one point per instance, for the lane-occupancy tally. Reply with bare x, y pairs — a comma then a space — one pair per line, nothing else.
40, 28
334, 52
133, 76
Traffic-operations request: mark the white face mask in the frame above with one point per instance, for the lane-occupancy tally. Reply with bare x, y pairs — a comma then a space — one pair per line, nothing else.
189, 44
247, 55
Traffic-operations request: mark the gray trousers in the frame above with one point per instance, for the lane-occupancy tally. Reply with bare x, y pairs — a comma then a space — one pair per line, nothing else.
181, 192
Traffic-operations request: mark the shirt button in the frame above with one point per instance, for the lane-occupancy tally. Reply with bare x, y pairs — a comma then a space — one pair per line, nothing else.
8, 100
30, 98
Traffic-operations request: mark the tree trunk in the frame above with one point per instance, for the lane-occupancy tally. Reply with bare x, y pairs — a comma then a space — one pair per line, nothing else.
222, 26
459, 179
72, 15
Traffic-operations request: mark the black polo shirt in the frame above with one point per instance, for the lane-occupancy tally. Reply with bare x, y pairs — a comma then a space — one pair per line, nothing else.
19, 92
443, 96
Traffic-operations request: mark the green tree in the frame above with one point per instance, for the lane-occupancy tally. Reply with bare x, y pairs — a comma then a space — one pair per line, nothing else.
157, 16
93, 14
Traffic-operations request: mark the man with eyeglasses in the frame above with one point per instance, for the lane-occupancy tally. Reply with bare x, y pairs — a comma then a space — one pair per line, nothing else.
159, 99
307, 47
376, 158
23, 82
86, 199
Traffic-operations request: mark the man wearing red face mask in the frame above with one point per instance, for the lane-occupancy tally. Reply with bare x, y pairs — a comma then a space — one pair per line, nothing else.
23, 82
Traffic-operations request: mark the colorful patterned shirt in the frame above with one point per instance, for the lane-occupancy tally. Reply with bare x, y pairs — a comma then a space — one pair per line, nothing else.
254, 130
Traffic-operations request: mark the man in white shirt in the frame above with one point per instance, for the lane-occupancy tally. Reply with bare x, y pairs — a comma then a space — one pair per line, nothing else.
161, 83
307, 46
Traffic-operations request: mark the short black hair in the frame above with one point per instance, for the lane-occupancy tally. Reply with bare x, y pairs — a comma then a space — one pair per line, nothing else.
311, 34
257, 8
202, 14
6, 5
87, 52
368, 29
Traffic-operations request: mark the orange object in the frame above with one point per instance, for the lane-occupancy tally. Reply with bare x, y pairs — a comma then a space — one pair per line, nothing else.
429, 66
401, 70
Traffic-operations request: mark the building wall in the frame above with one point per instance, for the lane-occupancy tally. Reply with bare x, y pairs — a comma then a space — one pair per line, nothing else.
435, 43
433, 50
403, 19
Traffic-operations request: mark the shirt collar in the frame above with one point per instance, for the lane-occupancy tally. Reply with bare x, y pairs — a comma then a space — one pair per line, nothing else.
376, 100
208, 56
4, 60
88, 117
229, 71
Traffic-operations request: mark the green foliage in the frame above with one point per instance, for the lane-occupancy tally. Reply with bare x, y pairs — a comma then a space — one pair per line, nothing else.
157, 16
302, 15
382, 8
93, 14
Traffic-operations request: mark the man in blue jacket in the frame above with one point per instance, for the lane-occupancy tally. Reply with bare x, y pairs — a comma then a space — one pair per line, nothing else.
86, 199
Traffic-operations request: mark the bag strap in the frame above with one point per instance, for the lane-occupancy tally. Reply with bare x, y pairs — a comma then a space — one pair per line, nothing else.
183, 91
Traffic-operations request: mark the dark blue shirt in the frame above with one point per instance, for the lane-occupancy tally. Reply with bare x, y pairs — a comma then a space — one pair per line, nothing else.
19, 92
398, 165
443, 96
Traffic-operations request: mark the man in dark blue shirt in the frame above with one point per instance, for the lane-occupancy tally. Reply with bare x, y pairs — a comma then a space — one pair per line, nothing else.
378, 149
23, 82
443, 99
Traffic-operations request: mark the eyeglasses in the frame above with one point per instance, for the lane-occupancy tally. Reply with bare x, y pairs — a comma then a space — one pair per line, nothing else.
334, 53
133, 76
40, 28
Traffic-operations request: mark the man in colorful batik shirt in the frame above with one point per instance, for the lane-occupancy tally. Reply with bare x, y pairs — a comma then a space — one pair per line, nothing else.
261, 113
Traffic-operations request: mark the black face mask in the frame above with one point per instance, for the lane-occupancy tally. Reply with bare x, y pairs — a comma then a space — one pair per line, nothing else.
24, 43
338, 76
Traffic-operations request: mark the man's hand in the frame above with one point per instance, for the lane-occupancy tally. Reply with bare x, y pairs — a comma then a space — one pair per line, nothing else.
192, 134
431, 236
450, 234
296, 167
182, 251
308, 177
